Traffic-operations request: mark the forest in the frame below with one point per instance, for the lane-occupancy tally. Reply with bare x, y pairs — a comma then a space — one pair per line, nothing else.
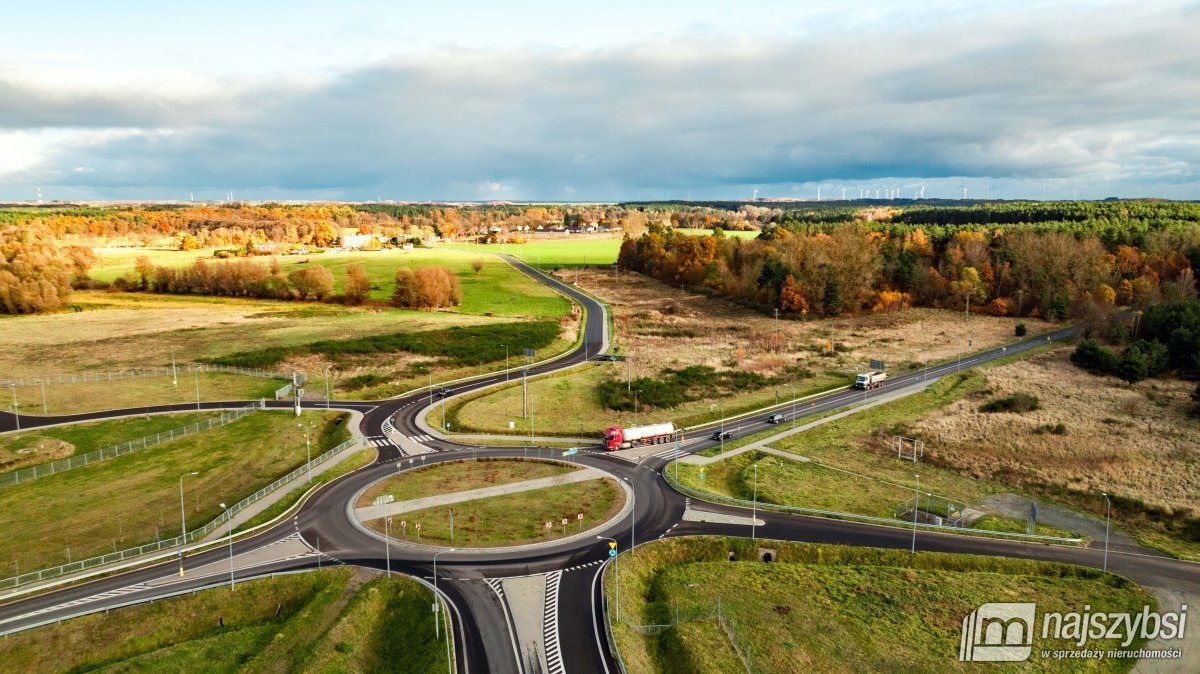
1052, 260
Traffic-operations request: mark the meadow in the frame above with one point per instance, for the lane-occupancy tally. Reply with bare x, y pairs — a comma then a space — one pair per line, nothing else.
455, 476
823, 608
333, 620
134, 499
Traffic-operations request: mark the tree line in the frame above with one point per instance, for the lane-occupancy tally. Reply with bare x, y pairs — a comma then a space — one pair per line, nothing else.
36, 277
860, 267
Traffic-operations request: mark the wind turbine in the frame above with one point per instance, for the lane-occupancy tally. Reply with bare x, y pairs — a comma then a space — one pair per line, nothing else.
843, 194
922, 191
818, 192
39, 195
962, 183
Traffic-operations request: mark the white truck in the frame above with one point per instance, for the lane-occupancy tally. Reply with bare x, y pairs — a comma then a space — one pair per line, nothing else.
870, 380
616, 437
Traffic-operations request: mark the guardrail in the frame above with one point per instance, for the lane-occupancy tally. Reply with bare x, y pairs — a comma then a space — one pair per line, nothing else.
834, 514
196, 534
140, 373
123, 448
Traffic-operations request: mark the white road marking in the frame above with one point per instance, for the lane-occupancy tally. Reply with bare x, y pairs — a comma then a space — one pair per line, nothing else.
554, 662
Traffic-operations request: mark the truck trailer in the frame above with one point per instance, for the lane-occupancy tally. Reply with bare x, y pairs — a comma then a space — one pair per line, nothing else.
616, 437
870, 380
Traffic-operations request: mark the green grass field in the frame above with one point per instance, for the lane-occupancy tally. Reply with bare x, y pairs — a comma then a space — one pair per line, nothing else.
358, 459
568, 404
335, 620
442, 478
551, 253
27, 448
514, 519
59, 399
127, 501
823, 608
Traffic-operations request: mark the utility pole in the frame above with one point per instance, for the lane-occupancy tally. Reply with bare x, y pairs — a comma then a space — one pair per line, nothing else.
174, 372
196, 376
296, 390
1107, 521
44, 408
754, 505
525, 394
916, 501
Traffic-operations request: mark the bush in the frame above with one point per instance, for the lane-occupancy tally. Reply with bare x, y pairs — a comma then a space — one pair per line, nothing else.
1020, 330
675, 387
1091, 356
358, 285
1142, 359
426, 288
1015, 403
1053, 429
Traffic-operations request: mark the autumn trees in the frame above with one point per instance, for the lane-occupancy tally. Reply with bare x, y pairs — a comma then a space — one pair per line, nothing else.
426, 288
37, 277
313, 280
358, 285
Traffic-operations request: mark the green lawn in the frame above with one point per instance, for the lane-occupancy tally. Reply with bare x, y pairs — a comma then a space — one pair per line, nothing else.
334, 620
442, 478
823, 608
60, 399
127, 501
552, 253
26, 448
514, 519
362, 457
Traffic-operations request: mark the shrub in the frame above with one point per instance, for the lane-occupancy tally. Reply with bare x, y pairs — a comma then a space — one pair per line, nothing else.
358, 285
1053, 429
1020, 330
1142, 359
1015, 403
1091, 356
426, 288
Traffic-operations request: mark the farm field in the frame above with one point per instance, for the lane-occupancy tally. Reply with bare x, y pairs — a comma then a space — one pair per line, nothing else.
577, 251
514, 519
26, 448
72, 398
1137, 442
88, 511
317, 621
443, 478
823, 608
660, 326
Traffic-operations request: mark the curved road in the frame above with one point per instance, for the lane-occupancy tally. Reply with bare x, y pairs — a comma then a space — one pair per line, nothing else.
482, 627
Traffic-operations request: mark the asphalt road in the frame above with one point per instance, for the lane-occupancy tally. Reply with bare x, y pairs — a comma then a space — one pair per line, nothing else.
483, 638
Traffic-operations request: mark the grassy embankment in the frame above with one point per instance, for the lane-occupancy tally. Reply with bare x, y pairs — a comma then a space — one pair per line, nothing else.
827, 608
128, 501
335, 620
849, 467
76, 398
359, 459
443, 478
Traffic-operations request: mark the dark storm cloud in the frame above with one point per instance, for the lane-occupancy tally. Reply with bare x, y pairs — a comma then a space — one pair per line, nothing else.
1109, 97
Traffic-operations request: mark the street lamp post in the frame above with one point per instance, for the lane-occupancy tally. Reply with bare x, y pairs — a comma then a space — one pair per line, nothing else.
44, 407
616, 574
308, 449
196, 376
229, 521
387, 544
182, 511
16, 407
632, 516
436, 629
916, 500
326, 387
1107, 520
505, 362
754, 505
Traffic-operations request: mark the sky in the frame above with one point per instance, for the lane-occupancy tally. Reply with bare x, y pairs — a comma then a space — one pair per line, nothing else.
531, 100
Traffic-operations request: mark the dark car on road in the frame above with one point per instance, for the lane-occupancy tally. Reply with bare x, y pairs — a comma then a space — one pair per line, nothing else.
722, 435
776, 419
443, 392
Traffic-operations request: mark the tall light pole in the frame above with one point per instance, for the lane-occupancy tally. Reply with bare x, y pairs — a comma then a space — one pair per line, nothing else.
387, 544
16, 406
1107, 520
505, 362
793, 403
182, 510
754, 504
327, 367
308, 448
196, 376
229, 520
632, 517
44, 408
436, 634
916, 500
616, 573
430, 386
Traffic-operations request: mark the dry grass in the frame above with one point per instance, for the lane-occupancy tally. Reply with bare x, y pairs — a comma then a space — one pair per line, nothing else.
138, 392
659, 325
1132, 440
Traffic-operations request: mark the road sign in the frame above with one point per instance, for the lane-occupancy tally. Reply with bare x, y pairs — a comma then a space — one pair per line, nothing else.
701, 475
571, 452
564, 521
389, 520
612, 545
403, 523
876, 364
447, 425
417, 525
549, 525
579, 516
512, 425
435, 607
529, 352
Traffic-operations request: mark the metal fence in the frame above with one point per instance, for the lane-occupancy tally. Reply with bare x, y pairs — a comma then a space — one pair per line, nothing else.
123, 448
145, 372
194, 535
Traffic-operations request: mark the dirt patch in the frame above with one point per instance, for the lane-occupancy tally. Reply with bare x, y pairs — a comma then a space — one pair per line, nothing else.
36, 451
659, 325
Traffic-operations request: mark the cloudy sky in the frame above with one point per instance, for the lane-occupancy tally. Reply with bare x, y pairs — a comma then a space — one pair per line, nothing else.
619, 100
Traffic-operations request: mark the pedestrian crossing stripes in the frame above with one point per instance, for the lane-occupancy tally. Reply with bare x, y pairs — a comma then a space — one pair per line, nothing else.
554, 661
420, 438
379, 442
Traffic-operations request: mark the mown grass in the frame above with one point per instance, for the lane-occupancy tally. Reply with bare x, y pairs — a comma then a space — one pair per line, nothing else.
824, 608
552, 253
80, 397
129, 500
444, 478
27, 448
514, 519
320, 621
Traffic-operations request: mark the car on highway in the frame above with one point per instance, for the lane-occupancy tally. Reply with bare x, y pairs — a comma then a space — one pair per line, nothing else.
443, 392
776, 419
722, 435
609, 358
